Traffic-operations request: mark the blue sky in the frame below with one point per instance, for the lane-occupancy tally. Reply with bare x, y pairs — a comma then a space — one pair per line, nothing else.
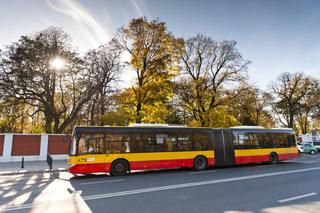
276, 36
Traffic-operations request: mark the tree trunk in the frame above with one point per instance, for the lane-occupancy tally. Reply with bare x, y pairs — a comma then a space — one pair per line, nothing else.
48, 122
138, 112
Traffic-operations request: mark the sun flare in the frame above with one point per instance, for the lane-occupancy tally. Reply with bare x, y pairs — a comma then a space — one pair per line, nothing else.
57, 63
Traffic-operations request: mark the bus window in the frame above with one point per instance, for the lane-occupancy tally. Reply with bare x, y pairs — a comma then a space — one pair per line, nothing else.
95, 146
136, 144
201, 142
252, 142
279, 140
247, 141
264, 141
235, 140
148, 142
184, 143
82, 146
140, 143
160, 142
117, 143
91, 144
166, 143
292, 140
170, 143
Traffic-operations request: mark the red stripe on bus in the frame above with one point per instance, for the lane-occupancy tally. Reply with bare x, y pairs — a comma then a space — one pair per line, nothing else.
160, 164
165, 164
263, 158
252, 159
135, 165
88, 168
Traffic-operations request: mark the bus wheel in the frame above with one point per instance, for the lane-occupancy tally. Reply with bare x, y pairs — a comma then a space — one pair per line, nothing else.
119, 167
200, 163
274, 159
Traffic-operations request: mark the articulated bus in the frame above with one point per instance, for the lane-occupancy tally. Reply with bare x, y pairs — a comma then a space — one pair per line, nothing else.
119, 150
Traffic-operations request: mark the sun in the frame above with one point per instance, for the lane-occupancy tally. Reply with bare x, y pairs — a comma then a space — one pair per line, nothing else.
57, 63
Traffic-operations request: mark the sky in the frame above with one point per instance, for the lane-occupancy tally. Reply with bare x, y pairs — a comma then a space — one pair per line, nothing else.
275, 35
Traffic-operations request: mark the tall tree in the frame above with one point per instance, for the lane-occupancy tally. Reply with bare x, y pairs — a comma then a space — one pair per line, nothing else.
308, 106
154, 56
105, 67
251, 106
289, 93
209, 67
28, 75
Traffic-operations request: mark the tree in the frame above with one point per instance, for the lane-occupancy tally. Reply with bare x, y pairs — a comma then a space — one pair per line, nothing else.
251, 105
209, 67
28, 75
13, 116
105, 67
154, 55
308, 106
290, 93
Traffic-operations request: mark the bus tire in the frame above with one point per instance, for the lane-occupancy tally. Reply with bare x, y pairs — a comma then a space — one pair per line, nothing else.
200, 163
274, 159
119, 167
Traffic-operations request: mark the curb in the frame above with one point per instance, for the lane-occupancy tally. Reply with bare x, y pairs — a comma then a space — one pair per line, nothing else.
32, 171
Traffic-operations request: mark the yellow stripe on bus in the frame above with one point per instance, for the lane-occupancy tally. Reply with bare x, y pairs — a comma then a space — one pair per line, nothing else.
253, 152
108, 158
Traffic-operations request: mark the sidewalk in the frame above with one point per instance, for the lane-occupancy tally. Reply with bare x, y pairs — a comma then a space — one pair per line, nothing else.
13, 168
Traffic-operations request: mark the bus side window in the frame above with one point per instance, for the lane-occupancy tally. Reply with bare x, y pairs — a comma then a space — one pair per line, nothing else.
82, 146
242, 141
264, 141
235, 140
170, 143
95, 145
148, 142
184, 143
118, 143
292, 140
201, 141
248, 141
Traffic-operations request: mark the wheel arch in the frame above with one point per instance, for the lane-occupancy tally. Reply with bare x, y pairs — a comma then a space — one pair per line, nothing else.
201, 156
121, 159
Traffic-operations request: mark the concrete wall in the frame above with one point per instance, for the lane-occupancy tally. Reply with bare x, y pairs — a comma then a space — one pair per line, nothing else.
33, 147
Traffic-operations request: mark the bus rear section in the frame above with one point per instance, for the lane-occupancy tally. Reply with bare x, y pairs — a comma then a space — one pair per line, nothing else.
264, 145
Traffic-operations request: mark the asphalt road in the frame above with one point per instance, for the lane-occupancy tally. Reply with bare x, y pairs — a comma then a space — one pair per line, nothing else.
292, 186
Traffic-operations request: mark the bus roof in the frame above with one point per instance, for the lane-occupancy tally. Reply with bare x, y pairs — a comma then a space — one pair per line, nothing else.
78, 129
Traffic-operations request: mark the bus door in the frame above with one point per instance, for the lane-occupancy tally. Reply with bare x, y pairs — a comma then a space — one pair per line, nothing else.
223, 147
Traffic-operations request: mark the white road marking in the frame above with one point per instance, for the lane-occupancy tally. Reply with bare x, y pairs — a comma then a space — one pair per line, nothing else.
201, 183
264, 166
297, 197
202, 172
18, 207
105, 181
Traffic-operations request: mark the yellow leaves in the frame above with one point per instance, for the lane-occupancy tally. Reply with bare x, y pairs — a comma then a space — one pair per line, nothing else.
155, 56
221, 118
155, 113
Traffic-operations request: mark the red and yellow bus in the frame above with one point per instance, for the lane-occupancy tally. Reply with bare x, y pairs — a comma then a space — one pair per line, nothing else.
119, 150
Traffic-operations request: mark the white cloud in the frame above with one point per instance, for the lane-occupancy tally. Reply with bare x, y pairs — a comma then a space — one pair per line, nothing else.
140, 8
89, 26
